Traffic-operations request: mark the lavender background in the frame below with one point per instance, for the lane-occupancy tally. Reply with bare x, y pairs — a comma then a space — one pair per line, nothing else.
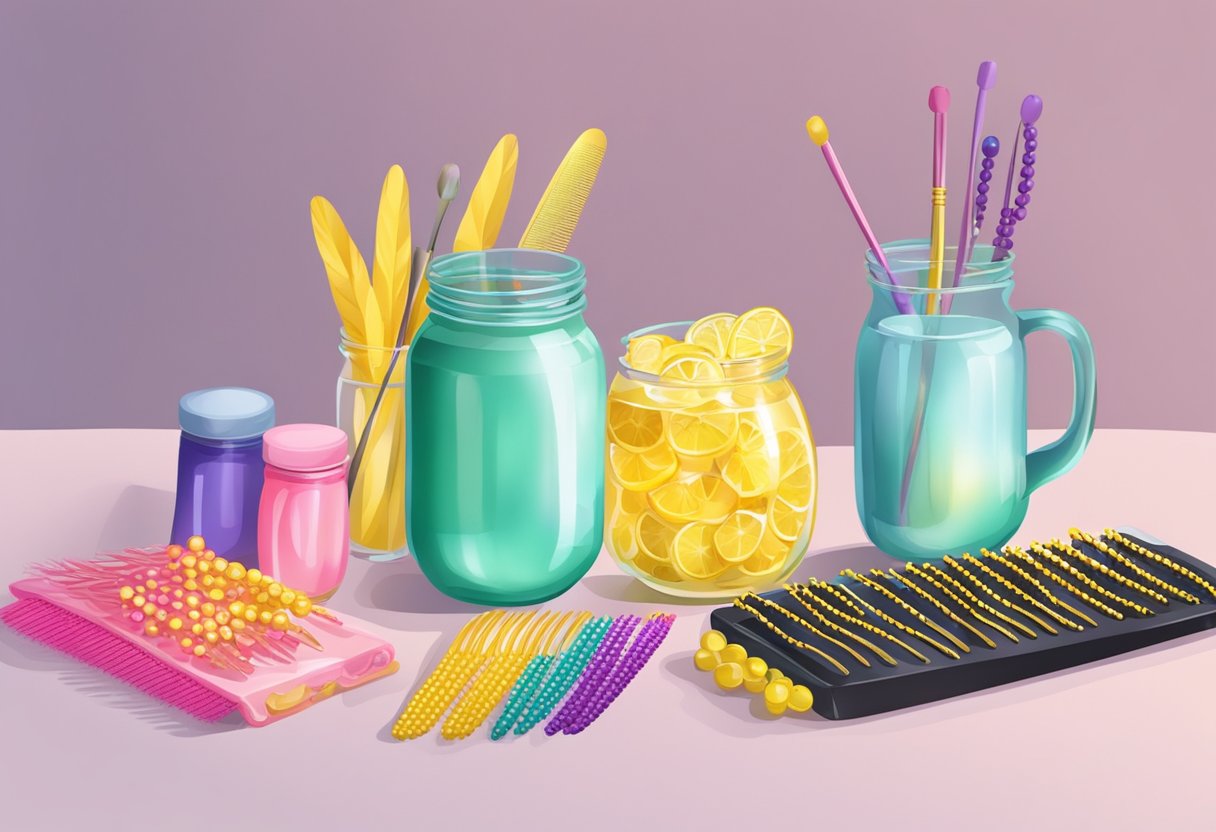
157, 158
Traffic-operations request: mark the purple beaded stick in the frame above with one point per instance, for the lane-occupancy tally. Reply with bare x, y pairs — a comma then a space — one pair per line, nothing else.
991, 147
647, 641
1032, 108
597, 670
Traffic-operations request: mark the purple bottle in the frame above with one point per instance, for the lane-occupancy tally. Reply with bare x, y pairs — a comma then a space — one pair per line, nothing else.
220, 469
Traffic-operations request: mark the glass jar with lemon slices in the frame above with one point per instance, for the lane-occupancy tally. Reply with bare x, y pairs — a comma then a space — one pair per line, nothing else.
711, 479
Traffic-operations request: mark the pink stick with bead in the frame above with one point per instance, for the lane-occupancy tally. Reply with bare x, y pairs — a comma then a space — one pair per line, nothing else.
985, 80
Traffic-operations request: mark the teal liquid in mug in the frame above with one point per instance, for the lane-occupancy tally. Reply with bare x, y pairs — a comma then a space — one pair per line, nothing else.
940, 409
505, 429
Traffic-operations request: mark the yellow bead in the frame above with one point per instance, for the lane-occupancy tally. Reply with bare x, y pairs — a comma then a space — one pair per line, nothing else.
212, 638
197, 629
226, 633
216, 594
235, 571
302, 606
196, 543
175, 623
773, 674
150, 583
189, 561
266, 616
775, 708
755, 668
178, 593
275, 590
251, 613
734, 653
194, 615
801, 698
754, 685
186, 642
777, 693
238, 624
151, 629
280, 621
236, 608
192, 601
191, 585
222, 617
208, 580
173, 566
263, 597
220, 564
126, 593
207, 609
728, 675
209, 554
209, 624
200, 650
713, 641
253, 576
149, 608
704, 660
288, 597
139, 601
161, 615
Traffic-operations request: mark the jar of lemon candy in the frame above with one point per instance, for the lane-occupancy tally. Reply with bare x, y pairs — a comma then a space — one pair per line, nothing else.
711, 476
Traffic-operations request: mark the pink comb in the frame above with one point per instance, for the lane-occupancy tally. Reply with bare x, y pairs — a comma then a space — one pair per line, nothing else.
97, 634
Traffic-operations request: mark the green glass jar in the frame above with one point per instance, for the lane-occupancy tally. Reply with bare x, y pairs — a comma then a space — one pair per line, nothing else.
505, 407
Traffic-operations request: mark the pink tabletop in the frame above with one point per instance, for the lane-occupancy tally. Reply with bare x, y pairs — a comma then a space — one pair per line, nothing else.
82, 751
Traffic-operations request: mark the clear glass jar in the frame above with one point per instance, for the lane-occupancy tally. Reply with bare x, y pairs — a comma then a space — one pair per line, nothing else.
711, 486
505, 440
377, 505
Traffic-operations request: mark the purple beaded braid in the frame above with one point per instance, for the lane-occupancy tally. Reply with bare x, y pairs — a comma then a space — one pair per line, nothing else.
648, 639
1032, 108
991, 147
597, 670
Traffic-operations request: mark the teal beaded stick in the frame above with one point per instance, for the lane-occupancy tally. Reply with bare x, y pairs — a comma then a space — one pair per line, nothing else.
533, 675
564, 675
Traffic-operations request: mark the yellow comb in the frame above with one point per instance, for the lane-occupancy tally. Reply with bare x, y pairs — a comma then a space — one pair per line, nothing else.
561, 205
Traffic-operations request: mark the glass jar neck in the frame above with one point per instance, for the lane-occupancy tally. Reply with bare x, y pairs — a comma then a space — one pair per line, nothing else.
224, 444
326, 475
517, 288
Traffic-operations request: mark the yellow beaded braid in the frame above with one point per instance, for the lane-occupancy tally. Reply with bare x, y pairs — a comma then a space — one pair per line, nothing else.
894, 622
908, 582
947, 578
802, 622
1018, 591
1150, 555
996, 596
1089, 583
1021, 554
857, 620
1097, 566
919, 616
777, 631
463, 659
913, 569
1037, 584
822, 619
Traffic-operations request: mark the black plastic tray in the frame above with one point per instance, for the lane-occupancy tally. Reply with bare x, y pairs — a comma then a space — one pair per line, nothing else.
880, 687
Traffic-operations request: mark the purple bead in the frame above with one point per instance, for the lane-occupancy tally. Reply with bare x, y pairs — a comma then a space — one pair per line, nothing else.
988, 164
1030, 134
983, 187
1027, 171
981, 201
985, 175
1005, 213
1027, 158
1019, 214
1032, 145
1022, 200
1026, 186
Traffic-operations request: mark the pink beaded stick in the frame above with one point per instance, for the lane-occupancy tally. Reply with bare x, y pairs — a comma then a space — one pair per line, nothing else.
1032, 108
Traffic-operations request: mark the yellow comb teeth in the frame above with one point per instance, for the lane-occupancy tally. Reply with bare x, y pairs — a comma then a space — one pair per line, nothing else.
556, 216
817, 130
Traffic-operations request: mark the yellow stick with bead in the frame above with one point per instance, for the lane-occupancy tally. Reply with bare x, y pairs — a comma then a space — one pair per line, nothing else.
939, 103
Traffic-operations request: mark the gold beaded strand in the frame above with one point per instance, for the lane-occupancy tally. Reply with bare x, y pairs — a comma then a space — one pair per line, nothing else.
857, 621
1037, 584
1149, 554
1096, 565
994, 595
1018, 591
810, 648
822, 619
947, 578
1096, 603
897, 624
919, 616
802, 622
949, 613
1075, 573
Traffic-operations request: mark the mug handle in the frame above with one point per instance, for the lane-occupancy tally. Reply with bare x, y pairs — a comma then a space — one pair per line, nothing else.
1052, 460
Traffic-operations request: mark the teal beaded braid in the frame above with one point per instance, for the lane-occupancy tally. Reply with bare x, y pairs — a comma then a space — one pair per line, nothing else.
565, 674
534, 674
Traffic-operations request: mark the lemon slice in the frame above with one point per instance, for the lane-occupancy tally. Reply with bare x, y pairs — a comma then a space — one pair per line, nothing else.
645, 352
693, 555
797, 487
636, 428
711, 332
622, 537
641, 471
785, 520
631, 502
692, 368
750, 474
756, 505
679, 349
646, 564
751, 438
654, 537
739, 537
702, 433
768, 558
759, 332
705, 499
792, 448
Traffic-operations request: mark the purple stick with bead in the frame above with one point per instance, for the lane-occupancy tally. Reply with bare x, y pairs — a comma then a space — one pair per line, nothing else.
1032, 108
597, 670
991, 147
648, 639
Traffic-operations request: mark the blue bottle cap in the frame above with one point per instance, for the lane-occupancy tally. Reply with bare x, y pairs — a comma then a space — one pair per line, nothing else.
226, 413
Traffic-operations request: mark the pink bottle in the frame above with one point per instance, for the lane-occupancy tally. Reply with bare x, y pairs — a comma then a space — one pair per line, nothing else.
303, 518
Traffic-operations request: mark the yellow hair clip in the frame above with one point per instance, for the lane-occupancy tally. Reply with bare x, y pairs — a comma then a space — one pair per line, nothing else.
919, 616
1096, 603
1037, 584
1149, 554
1101, 568
856, 621
945, 590
1089, 583
777, 631
894, 622
945, 577
822, 619
949, 613
802, 622
996, 596
1122, 559
1018, 591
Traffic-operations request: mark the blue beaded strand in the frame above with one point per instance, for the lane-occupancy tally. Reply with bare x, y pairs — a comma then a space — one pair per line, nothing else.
565, 673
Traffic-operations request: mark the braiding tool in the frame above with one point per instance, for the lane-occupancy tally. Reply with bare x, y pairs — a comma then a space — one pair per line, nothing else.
1032, 108
991, 147
593, 677
647, 641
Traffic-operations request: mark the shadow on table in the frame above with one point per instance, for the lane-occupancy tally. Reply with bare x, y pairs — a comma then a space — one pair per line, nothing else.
141, 516
400, 587
738, 713
20, 652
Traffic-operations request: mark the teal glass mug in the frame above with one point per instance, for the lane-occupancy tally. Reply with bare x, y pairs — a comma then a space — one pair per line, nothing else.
940, 456
505, 409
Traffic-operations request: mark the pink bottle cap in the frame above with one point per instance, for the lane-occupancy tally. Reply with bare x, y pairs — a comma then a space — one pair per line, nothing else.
304, 447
